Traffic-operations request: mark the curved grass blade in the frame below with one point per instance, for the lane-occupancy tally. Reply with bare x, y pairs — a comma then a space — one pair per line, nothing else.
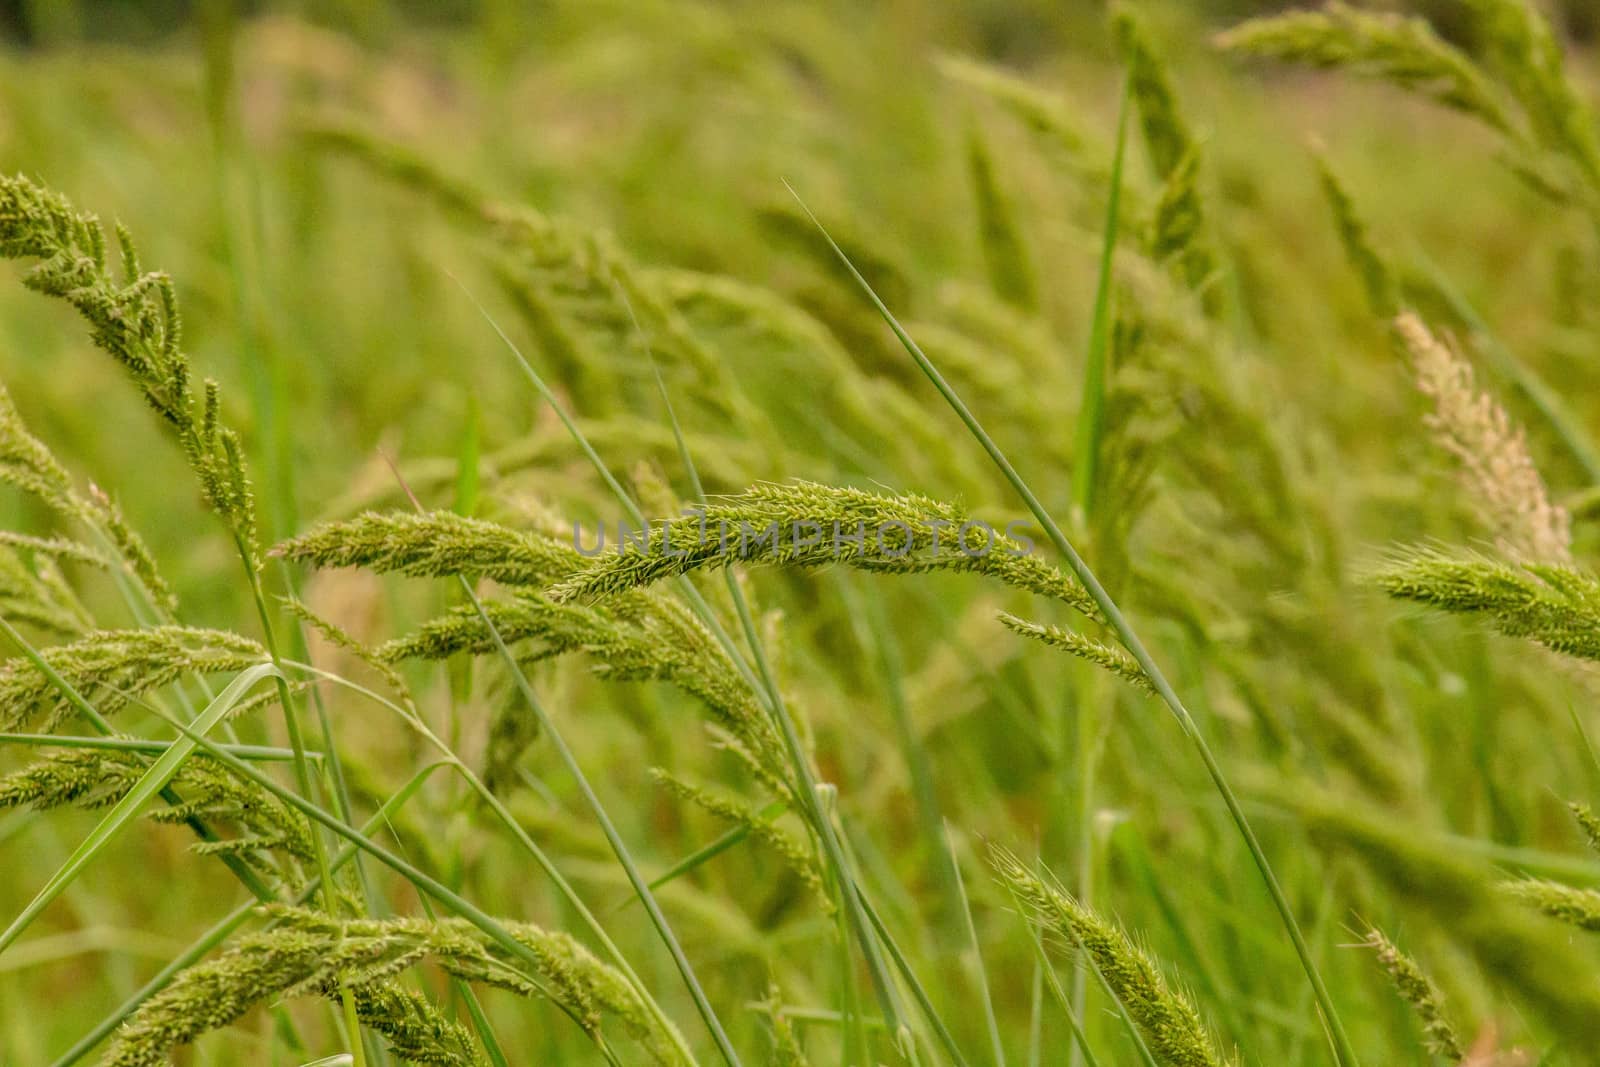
1344, 1053
242, 871
420, 879
526, 842
716, 847
151, 783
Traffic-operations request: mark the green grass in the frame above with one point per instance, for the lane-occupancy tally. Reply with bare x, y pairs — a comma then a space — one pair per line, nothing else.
1297, 793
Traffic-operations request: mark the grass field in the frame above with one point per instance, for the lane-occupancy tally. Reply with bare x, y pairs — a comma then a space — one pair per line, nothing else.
1257, 359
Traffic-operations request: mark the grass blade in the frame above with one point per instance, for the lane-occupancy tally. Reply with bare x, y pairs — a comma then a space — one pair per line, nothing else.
522, 838
151, 783
421, 880
715, 847
1042, 962
267, 753
1340, 1042
977, 951
1091, 412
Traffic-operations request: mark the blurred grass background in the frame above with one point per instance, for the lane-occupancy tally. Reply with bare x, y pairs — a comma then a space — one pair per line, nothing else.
323, 297
671, 129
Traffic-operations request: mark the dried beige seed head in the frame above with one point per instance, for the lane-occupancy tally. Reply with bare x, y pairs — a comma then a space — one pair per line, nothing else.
1506, 488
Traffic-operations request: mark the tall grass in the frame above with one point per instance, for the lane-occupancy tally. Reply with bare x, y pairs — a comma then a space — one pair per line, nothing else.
1273, 452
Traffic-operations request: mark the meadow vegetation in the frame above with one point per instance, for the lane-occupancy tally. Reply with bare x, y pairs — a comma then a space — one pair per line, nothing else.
1256, 353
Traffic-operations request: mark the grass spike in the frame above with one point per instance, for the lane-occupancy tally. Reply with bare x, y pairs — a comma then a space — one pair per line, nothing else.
1418, 990
1164, 1017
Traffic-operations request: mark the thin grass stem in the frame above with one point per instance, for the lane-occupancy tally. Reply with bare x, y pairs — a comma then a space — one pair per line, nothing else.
263, 753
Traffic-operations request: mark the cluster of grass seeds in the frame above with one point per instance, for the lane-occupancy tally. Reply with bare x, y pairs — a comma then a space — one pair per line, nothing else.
305, 953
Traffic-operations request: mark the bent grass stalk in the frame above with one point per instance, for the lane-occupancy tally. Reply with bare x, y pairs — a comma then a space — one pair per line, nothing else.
247, 877
1343, 1052
146, 342
313, 887
423, 882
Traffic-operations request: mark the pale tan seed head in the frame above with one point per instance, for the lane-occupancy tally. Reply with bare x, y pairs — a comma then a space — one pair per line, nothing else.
1499, 473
